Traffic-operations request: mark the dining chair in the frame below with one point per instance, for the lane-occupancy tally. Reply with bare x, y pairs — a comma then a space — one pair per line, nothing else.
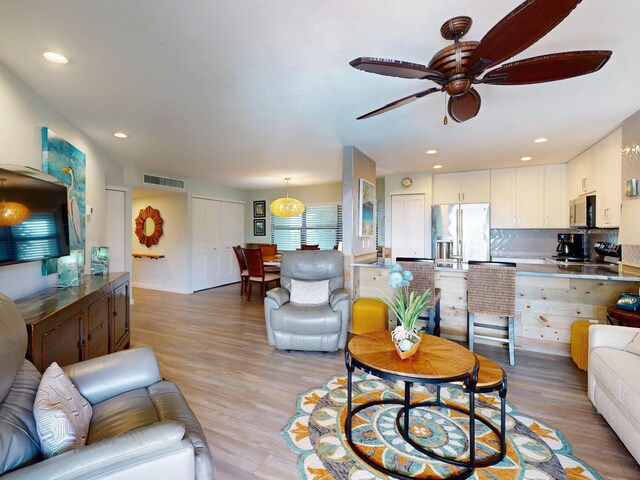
257, 273
491, 290
424, 277
309, 247
268, 250
244, 273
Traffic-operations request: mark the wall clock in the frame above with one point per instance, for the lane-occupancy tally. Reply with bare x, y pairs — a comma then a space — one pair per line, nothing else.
406, 182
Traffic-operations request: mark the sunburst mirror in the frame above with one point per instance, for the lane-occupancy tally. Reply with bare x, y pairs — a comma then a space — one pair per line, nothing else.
149, 226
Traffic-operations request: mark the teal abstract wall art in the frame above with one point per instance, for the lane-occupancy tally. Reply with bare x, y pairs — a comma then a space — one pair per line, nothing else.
67, 164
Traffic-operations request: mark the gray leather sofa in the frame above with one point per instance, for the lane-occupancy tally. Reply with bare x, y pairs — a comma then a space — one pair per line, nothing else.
321, 327
141, 427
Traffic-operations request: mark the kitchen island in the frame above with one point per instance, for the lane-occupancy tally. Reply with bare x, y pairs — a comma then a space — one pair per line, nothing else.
549, 298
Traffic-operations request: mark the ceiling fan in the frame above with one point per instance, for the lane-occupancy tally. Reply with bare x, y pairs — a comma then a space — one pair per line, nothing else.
456, 68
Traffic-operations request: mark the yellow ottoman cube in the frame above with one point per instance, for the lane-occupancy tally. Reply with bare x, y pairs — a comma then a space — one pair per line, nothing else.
369, 315
580, 344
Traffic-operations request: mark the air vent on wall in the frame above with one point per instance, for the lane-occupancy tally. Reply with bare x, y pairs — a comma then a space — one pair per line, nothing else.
162, 181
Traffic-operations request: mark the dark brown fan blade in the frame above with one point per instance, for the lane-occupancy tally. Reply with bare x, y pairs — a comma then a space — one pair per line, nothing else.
465, 107
399, 103
520, 29
548, 68
396, 68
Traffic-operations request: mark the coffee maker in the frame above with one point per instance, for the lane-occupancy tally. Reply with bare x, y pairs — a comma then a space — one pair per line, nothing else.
570, 246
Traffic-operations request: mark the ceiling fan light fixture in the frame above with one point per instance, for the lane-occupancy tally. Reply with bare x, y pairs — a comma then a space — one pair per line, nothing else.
287, 207
459, 66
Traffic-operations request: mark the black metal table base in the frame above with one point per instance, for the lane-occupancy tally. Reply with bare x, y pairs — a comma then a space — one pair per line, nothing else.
467, 467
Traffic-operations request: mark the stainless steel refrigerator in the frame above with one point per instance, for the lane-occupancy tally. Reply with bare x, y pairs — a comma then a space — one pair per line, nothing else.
461, 231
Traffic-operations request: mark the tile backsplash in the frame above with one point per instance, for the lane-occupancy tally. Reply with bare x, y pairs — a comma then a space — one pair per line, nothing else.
511, 243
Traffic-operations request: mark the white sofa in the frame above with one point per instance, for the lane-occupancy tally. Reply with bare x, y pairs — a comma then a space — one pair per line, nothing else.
614, 382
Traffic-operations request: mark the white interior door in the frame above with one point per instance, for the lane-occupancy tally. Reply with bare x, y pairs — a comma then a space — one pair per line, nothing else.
116, 232
199, 245
232, 233
213, 242
407, 226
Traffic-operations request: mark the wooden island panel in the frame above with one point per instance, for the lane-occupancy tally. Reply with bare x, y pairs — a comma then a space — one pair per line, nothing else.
545, 306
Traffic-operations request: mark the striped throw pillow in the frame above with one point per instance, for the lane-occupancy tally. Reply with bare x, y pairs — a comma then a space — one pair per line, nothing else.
62, 414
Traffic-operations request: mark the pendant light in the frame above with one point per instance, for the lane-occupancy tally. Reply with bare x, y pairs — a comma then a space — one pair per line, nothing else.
11, 213
287, 207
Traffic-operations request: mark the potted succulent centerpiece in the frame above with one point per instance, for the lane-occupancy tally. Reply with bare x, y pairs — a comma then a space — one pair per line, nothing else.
407, 306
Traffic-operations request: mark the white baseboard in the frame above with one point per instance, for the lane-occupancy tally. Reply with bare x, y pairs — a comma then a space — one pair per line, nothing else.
159, 288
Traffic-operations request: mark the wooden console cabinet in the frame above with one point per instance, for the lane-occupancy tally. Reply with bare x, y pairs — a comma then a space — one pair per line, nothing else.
77, 323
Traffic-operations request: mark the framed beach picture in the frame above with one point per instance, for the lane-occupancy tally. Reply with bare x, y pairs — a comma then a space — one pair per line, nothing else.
367, 199
259, 227
260, 209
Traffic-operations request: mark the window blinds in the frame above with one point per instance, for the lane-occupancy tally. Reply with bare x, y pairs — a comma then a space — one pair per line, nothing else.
318, 225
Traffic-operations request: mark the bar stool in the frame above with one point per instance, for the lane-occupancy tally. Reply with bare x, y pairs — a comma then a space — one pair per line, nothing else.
491, 379
424, 277
491, 290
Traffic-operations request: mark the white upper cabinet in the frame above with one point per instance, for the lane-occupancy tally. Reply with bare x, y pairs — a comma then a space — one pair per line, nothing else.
530, 197
446, 188
599, 171
582, 174
475, 187
465, 187
609, 188
503, 198
556, 204
517, 198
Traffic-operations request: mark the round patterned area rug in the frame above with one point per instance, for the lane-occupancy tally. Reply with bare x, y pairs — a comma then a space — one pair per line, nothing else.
534, 450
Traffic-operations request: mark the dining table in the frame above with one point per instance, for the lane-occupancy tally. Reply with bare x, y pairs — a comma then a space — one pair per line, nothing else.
271, 260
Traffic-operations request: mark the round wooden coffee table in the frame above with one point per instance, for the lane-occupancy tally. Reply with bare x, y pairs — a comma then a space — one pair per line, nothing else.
438, 361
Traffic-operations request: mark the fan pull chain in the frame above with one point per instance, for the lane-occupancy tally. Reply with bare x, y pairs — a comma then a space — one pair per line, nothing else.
445, 120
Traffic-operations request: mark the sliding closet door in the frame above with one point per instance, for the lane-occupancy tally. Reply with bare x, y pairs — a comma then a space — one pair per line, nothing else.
232, 233
217, 227
206, 214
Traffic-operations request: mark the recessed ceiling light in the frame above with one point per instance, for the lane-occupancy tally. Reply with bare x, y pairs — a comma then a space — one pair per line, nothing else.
120, 135
437, 166
55, 57
432, 152
541, 140
526, 159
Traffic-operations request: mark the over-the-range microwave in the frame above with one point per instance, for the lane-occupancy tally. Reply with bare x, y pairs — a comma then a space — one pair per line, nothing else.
582, 212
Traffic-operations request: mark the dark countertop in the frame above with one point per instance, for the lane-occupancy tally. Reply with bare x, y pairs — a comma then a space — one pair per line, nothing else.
579, 271
50, 300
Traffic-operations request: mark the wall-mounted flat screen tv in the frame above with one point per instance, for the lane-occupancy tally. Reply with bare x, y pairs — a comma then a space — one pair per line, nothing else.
34, 221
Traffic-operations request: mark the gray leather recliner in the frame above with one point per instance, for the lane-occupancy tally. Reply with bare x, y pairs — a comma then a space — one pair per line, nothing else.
321, 327
141, 427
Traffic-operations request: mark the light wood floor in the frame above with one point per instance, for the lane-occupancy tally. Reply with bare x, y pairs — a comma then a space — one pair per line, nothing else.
213, 345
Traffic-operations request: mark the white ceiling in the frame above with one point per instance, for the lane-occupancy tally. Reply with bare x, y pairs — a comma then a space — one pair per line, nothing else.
247, 92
